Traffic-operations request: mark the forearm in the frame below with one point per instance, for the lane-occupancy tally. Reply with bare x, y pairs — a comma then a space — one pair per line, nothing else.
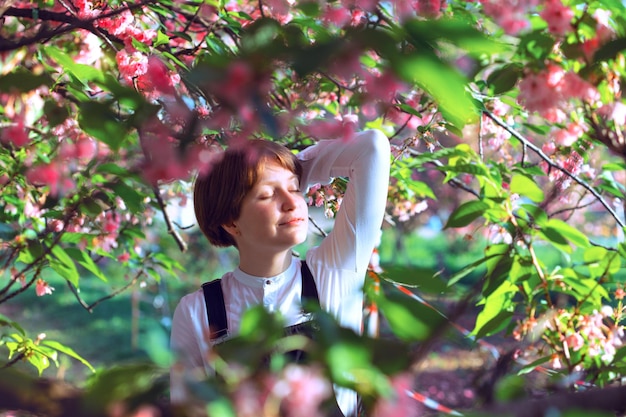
365, 160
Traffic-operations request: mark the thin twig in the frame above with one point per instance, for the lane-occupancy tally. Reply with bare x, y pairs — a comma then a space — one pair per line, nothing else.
317, 226
24, 287
547, 159
72, 24
168, 222
13, 361
90, 307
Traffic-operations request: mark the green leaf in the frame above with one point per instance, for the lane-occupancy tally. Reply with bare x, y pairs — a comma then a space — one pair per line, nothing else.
350, 366
67, 351
533, 365
496, 313
84, 73
409, 320
423, 278
443, 83
85, 260
525, 186
601, 262
574, 235
537, 45
609, 50
504, 78
458, 32
63, 264
133, 200
156, 346
33, 251
466, 213
39, 361
5, 321
99, 121
22, 80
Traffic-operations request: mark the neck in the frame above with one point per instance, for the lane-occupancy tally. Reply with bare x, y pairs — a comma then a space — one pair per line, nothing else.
264, 264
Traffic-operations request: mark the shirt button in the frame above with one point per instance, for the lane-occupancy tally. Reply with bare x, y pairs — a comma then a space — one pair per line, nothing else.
268, 282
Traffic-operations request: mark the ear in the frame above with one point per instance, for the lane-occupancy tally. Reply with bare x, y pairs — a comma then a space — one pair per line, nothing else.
231, 229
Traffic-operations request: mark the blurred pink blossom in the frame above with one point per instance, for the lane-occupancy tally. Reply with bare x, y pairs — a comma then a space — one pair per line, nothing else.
302, 390
15, 134
558, 17
399, 404
43, 288
337, 15
511, 15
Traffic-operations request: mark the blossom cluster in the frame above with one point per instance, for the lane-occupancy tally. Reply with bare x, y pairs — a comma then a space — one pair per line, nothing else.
578, 338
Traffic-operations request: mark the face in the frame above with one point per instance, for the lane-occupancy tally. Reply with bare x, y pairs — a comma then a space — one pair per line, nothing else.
274, 215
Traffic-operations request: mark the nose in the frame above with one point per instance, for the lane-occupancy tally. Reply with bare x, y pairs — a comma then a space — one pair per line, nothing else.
290, 200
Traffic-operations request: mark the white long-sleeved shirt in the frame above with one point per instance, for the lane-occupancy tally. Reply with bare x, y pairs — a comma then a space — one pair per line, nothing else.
338, 264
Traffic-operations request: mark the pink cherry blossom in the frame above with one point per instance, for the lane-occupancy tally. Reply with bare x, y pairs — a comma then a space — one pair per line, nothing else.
86, 148
15, 134
124, 257
118, 24
429, 8
111, 222
511, 15
574, 341
85, 9
548, 148
399, 403
45, 174
336, 15
157, 78
384, 87
280, 9
56, 225
330, 129
575, 87
43, 288
558, 17
90, 49
569, 135
131, 64
302, 390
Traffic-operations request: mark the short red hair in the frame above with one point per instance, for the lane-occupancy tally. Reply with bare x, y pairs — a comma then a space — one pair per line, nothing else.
218, 195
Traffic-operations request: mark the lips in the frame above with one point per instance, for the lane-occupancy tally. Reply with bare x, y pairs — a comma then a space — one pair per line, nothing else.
292, 222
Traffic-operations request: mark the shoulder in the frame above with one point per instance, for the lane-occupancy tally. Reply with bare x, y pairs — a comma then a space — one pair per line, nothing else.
191, 301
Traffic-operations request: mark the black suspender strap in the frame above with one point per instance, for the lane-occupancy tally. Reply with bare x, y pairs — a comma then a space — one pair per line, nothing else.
309, 289
215, 308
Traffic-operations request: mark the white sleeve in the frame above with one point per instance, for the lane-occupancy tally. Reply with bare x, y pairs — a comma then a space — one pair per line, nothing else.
365, 160
187, 344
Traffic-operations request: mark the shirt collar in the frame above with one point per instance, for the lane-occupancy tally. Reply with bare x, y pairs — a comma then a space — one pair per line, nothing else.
258, 282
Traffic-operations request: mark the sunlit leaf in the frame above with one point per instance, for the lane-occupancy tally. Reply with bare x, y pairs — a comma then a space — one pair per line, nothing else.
423, 278
445, 85
67, 351
85, 260
466, 213
63, 264
525, 186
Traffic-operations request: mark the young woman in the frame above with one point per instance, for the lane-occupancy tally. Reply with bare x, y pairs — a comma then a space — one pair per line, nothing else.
252, 199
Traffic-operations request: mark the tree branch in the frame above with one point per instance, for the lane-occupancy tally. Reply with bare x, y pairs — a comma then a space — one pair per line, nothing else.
90, 307
170, 229
547, 159
71, 21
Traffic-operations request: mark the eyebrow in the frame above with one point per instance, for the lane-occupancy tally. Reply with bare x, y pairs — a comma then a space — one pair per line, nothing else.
290, 178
